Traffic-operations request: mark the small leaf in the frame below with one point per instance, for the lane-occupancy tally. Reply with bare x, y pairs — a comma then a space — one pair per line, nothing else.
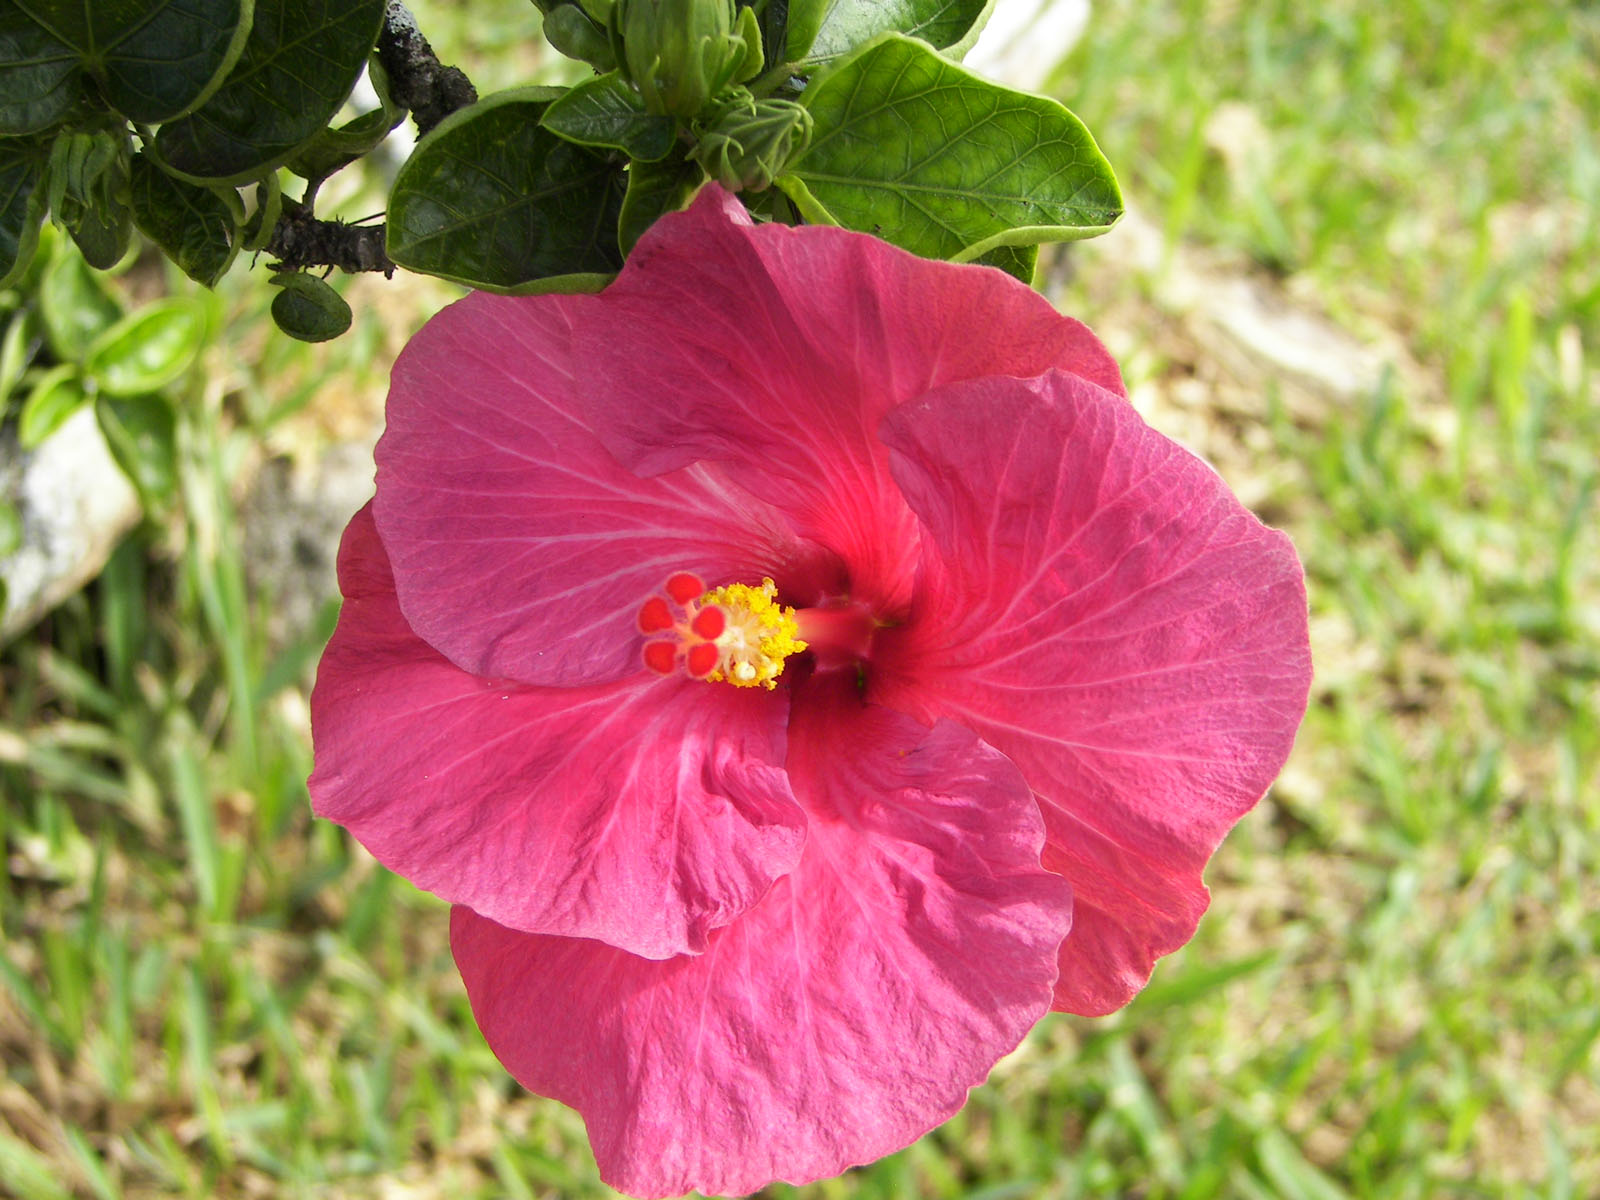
147, 349
842, 25
300, 62
58, 394
929, 156
308, 308
492, 200
655, 189
575, 35
141, 433
192, 224
21, 206
333, 149
76, 307
607, 112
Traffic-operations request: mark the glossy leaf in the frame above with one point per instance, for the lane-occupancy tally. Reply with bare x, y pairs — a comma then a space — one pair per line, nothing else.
933, 158
575, 35
55, 397
150, 61
333, 149
308, 308
141, 433
837, 27
147, 349
39, 74
21, 206
493, 200
191, 223
298, 65
75, 305
654, 189
608, 113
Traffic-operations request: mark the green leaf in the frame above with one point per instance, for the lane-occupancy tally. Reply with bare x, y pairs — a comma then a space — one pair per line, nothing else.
76, 307
333, 149
10, 529
21, 205
493, 200
151, 61
803, 23
1017, 261
575, 35
300, 62
192, 224
655, 189
929, 156
58, 394
39, 75
89, 192
842, 25
308, 308
147, 349
141, 433
607, 112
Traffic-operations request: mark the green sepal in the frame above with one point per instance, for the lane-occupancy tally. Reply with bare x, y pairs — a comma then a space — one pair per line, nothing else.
607, 112
193, 225
308, 308
493, 200
942, 162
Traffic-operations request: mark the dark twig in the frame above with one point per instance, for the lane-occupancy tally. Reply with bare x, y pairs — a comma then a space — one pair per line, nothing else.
417, 79
300, 240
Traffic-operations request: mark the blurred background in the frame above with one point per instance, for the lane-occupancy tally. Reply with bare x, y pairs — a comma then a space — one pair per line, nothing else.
1359, 275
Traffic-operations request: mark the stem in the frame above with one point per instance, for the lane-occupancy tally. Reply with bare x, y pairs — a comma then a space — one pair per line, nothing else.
300, 240
418, 81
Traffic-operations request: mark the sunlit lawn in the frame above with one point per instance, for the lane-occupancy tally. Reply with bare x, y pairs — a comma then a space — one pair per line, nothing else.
1395, 994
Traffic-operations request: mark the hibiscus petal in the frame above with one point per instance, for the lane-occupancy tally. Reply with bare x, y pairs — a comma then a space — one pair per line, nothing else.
520, 547
1106, 613
831, 329
847, 1013
644, 813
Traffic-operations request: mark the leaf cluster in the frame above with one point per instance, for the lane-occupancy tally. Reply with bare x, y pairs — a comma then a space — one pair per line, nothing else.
167, 115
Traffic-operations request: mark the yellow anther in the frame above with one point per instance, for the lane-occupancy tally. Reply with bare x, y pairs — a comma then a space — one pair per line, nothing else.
759, 636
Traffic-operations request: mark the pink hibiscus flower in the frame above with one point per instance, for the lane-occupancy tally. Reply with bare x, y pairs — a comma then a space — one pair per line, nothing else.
981, 613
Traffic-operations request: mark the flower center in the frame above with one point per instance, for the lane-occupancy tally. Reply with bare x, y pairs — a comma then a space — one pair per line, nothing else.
736, 634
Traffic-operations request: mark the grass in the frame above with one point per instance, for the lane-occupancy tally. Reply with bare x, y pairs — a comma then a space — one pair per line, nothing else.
204, 992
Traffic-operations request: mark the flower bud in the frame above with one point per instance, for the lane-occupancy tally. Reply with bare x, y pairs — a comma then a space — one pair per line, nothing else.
749, 143
681, 53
